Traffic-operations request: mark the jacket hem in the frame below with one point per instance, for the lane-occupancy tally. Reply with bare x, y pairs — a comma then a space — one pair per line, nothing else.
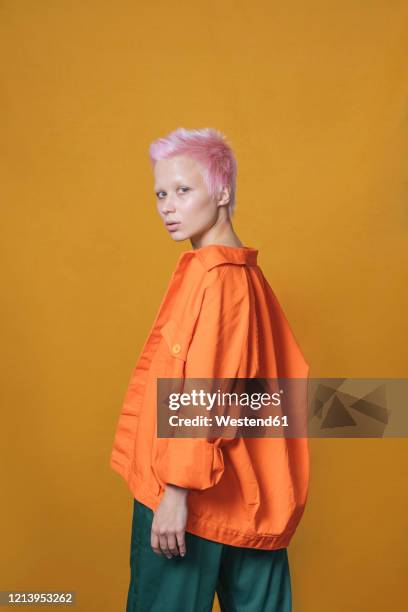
202, 527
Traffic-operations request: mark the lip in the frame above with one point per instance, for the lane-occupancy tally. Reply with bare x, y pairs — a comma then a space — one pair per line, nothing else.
172, 225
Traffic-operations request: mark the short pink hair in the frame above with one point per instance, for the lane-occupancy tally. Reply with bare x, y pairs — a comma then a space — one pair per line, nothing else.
207, 146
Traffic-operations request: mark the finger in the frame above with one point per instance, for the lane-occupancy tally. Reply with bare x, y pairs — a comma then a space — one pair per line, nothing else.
163, 545
154, 541
180, 535
172, 543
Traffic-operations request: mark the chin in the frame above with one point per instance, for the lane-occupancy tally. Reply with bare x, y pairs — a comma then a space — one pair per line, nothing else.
178, 237
181, 235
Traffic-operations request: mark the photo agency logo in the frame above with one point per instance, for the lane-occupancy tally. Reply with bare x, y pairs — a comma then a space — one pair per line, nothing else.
288, 407
347, 407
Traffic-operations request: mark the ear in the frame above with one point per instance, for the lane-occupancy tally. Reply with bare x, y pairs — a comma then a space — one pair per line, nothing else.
224, 197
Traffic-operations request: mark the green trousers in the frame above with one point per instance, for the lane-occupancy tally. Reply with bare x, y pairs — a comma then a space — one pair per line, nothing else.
245, 579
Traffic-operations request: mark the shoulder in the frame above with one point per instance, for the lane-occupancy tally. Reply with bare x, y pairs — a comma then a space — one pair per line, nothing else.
226, 286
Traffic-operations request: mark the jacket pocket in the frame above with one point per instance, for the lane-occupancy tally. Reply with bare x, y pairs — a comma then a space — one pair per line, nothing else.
177, 339
170, 369
171, 363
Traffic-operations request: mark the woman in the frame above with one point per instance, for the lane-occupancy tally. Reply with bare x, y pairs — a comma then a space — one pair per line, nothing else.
210, 515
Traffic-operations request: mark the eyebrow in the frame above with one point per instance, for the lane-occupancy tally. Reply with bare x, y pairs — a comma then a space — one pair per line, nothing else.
178, 183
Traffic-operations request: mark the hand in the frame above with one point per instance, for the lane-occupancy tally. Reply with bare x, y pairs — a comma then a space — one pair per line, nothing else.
169, 523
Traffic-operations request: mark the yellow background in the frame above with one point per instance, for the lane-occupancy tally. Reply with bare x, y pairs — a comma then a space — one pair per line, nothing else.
313, 98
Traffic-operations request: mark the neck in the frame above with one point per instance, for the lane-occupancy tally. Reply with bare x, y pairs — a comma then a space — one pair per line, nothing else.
222, 234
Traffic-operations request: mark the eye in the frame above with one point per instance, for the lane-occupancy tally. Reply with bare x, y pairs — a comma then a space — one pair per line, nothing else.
158, 194
186, 188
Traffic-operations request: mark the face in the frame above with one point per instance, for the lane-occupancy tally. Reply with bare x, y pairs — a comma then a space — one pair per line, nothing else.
183, 199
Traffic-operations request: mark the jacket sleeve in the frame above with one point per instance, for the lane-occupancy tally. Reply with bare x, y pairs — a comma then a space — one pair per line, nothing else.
219, 349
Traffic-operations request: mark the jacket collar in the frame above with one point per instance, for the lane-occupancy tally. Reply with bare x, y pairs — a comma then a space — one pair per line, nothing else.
216, 254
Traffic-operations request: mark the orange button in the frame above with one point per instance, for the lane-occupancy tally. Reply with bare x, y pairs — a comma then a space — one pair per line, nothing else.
176, 348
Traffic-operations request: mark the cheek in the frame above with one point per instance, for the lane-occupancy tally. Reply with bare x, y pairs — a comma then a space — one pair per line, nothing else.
198, 210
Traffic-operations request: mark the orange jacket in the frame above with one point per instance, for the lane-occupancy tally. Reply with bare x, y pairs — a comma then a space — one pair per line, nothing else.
219, 318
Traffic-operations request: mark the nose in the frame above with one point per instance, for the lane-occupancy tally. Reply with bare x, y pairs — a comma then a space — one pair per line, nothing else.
168, 206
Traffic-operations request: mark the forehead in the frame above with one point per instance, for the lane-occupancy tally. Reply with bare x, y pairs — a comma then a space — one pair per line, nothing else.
176, 169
